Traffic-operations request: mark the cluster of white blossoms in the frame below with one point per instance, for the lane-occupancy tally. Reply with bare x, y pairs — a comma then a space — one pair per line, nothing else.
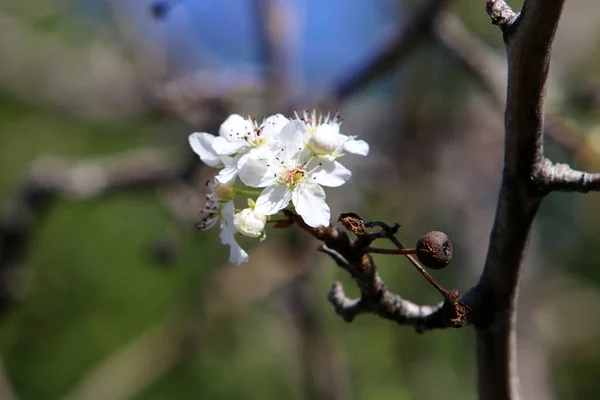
289, 159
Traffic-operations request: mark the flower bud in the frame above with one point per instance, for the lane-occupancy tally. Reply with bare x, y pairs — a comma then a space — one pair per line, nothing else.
225, 191
325, 140
250, 222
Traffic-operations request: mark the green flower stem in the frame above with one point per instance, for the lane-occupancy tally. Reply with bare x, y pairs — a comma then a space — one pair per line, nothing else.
248, 192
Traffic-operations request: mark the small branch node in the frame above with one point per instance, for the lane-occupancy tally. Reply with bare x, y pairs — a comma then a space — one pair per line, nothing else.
561, 177
500, 13
457, 312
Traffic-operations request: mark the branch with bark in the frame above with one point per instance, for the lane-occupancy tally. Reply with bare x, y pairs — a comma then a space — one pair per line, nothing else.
527, 177
353, 255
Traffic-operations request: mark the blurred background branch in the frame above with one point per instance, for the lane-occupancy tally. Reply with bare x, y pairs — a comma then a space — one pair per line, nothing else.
52, 179
393, 54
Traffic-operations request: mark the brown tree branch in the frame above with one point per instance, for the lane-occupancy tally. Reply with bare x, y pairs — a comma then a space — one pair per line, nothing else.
528, 38
483, 64
376, 298
345, 307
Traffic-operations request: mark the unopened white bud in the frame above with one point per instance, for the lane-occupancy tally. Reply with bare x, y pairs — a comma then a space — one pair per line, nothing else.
250, 222
225, 191
325, 140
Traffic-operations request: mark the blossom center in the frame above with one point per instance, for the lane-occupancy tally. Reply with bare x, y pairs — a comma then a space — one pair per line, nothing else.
258, 140
293, 176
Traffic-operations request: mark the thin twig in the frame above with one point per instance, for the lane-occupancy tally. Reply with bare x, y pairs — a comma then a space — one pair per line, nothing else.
389, 233
337, 257
374, 250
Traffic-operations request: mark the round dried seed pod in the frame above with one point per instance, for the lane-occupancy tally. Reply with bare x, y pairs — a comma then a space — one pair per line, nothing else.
434, 250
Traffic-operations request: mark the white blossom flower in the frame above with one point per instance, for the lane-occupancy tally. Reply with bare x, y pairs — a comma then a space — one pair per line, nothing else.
323, 137
290, 159
202, 144
250, 222
221, 210
238, 139
239, 135
294, 174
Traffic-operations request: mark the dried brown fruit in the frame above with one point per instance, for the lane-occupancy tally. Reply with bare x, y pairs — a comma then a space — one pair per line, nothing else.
434, 250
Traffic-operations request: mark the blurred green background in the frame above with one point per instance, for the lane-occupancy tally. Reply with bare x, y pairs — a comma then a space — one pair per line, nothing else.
116, 295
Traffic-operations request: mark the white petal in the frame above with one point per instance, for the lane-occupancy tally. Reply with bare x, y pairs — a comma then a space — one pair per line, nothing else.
335, 126
309, 201
201, 143
265, 151
236, 253
293, 131
331, 174
273, 125
273, 199
224, 147
256, 170
354, 146
291, 140
228, 173
228, 160
233, 127
228, 213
